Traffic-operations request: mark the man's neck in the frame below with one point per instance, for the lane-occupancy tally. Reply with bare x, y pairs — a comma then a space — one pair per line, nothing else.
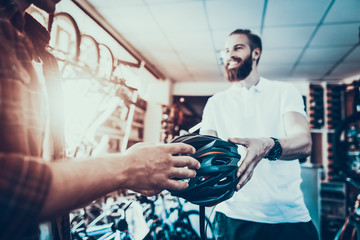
251, 80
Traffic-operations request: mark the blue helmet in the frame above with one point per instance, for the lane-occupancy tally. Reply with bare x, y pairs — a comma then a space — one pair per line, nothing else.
215, 180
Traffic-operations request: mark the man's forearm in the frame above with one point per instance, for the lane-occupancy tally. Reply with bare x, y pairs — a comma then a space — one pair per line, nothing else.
75, 184
295, 147
297, 144
142, 167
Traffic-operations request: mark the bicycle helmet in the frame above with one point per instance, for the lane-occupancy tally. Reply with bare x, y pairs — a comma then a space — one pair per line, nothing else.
216, 179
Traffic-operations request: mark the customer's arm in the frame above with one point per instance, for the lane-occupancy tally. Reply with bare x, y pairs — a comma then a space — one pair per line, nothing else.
142, 167
296, 144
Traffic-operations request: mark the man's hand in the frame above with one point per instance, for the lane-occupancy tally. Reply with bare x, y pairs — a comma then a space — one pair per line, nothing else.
257, 148
155, 168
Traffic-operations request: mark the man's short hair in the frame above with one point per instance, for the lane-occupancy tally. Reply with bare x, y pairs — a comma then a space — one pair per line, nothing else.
255, 40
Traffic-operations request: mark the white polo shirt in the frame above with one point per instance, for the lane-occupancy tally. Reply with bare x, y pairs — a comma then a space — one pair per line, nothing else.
273, 194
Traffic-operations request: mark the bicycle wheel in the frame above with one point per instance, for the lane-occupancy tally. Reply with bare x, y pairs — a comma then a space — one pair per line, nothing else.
64, 37
107, 62
349, 231
187, 227
159, 231
89, 57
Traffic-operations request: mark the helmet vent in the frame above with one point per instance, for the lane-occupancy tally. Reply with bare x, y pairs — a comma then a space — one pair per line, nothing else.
225, 180
202, 179
220, 161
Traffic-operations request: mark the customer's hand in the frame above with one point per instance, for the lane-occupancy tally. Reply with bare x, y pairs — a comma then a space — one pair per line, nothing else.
153, 168
257, 148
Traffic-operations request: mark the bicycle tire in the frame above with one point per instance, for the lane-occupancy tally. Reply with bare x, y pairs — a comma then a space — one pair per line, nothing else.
106, 62
67, 18
158, 231
89, 54
185, 223
347, 230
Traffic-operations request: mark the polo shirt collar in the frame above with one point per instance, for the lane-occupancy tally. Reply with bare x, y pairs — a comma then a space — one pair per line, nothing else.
260, 86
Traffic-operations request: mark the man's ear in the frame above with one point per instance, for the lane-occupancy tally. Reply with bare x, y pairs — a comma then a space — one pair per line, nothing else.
256, 53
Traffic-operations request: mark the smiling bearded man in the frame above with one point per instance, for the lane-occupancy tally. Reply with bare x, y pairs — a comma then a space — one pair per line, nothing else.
268, 119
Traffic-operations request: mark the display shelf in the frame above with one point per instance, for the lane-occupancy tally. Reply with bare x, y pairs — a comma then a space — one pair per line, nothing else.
317, 143
137, 124
326, 110
333, 198
333, 208
140, 110
316, 106
111, 132
334, 105
318, 130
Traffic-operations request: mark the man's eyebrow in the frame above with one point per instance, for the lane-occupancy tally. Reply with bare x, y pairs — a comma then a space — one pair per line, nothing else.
237, 45
240, 45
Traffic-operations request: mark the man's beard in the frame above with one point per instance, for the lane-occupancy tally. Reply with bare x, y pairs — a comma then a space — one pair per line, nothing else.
241, 72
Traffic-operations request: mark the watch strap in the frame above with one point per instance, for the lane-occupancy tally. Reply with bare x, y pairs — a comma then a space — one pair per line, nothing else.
275, 152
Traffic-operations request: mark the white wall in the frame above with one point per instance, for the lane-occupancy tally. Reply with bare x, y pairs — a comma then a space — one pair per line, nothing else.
302, 86
158, 93
210, 88
199, 88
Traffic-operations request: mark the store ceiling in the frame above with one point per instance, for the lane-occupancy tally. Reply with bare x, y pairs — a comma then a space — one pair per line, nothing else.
307, 39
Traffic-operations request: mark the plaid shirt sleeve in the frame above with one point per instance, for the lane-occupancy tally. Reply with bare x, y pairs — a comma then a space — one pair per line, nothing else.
24, 184
24, 177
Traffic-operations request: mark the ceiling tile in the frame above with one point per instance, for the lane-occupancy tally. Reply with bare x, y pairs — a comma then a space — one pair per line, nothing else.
114, 3
354, 56
346, 70
169, 2
209, 71
204, 57
169, 63
151, 42
311, 70
286, 13
234, 14
180, 16
286, 37
282, 56
336, 35
196, 41
343, 11
180, 76
130, 18
323, 55
182, 38
205, 73
272, 71
202, 65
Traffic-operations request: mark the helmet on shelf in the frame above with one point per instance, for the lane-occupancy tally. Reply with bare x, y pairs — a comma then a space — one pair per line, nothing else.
215, 180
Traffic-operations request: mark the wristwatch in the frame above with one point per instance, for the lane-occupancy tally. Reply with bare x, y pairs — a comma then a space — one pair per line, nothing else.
275, 152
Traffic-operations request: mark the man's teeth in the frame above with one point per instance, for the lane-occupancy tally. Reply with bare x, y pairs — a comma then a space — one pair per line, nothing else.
232, 63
